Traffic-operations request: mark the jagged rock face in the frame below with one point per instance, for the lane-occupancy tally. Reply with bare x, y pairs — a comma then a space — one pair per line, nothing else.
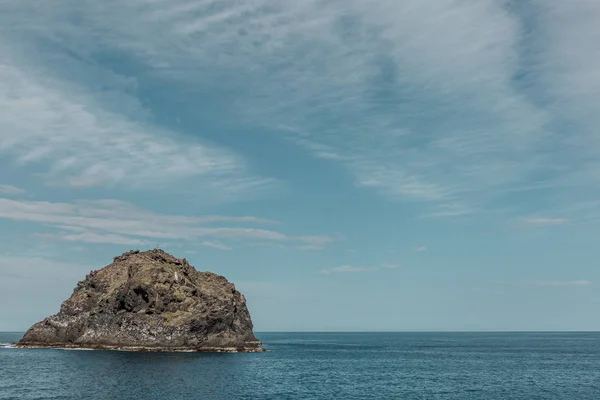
150, 300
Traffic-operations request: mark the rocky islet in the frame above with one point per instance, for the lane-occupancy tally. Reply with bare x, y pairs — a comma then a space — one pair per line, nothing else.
149, 301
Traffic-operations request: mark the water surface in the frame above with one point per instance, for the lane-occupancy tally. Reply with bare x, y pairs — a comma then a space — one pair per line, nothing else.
487, 366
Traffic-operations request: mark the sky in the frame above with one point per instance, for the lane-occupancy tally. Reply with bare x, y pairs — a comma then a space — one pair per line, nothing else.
395, 165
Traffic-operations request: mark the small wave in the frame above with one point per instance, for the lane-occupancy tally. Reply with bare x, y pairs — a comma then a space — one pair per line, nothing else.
75, 349
7, 345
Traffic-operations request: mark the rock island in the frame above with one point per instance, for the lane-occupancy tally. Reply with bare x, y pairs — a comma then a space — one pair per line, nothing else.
149, 301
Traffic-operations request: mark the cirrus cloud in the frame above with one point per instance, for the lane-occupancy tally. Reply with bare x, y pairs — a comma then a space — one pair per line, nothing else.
351, 269
118, 222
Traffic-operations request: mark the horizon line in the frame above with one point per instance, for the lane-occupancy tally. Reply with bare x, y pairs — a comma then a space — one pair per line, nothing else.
403, 331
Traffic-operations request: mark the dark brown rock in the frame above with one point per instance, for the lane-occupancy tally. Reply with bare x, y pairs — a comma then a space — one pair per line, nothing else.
149, 301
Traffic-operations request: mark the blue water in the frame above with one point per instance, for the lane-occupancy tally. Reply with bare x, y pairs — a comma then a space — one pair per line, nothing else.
462, 366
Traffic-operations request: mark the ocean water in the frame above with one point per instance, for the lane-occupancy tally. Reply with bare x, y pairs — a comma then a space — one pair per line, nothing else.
462, 366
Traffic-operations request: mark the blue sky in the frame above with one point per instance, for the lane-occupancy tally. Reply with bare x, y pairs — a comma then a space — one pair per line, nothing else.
350, 165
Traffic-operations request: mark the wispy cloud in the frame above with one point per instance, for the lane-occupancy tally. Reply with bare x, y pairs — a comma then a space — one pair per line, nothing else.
539, 284
60, 130
350, 269
215, 245
421, 249
111, 221
10, 190
578, 283
346, 268
436, 101
93, 237
546, 221
487, 291
34, 268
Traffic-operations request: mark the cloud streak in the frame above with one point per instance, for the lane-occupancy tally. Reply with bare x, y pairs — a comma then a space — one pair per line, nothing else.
93, 237
117, 222
215, 245
557, 284
545, 284
10, 190
72, 138
353, 269
546, 221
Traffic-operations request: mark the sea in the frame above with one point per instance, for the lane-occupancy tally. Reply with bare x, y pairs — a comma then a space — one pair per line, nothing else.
452, 366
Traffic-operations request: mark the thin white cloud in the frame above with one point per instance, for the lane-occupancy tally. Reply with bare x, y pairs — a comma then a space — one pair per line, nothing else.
59, 128
568, 61
421, 248
578, 283
215, 245
547, 284
93, 237
344, 269
109, 221
488, 291
10, 190
546, 221
39, 269
351, 269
